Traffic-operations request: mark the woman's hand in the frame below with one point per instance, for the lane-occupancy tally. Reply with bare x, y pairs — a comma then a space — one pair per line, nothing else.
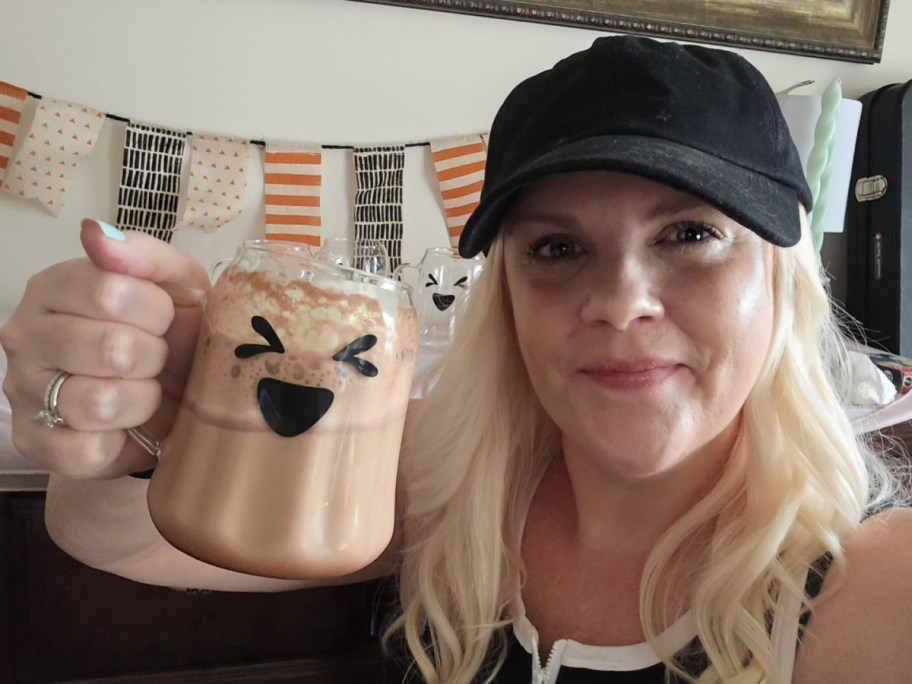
124, 323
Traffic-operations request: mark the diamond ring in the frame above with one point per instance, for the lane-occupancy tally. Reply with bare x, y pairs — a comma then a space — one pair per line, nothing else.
49, 415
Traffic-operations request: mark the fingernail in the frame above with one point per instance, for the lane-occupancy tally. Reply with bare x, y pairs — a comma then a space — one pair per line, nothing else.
111, 232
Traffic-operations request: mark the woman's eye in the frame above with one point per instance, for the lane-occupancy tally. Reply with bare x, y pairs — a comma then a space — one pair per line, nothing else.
691, 232
553, 248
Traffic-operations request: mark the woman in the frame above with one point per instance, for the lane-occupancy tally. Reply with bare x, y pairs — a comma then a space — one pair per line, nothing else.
633, 464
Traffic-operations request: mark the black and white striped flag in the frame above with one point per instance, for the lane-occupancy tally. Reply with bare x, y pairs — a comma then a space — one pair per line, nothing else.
378, 198
150, 180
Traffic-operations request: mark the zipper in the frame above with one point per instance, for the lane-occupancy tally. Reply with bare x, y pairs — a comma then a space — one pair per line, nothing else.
544, 675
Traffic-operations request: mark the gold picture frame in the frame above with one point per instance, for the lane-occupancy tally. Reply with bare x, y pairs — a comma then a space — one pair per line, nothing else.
847, 30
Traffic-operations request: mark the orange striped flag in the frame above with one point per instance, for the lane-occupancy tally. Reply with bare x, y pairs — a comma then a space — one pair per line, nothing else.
460, 166
292, 181
12, 102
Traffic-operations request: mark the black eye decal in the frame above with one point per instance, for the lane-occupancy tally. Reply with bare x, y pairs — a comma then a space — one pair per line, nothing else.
349, 354
262, 326
462, 282
431, 280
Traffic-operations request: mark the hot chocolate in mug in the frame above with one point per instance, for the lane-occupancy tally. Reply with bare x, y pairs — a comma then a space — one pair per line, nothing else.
443, 282
283, 458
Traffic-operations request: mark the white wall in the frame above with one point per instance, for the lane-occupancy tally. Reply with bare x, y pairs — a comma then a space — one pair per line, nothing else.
328, 71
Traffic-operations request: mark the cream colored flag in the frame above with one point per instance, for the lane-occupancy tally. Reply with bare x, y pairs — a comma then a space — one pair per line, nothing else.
61, 135
216, 182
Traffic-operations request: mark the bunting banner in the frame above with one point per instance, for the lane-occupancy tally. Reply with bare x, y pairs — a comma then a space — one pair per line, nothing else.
460, 166
12, 102
485, 137
378, 197
292, 179
217, 181
61, 135
150, 191
150, 180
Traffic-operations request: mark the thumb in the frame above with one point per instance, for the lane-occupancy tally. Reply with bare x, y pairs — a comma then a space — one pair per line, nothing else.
141, 256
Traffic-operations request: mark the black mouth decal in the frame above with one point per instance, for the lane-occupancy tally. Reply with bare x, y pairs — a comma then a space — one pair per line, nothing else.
442, 302
290, 410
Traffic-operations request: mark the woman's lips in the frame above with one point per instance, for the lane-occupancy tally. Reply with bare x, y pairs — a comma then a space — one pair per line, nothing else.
631, 374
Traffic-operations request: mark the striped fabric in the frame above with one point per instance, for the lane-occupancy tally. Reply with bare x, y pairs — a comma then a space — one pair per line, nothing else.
460, 166
61, 135
12, 102
378, 198
217, 181
150, 180
292, 181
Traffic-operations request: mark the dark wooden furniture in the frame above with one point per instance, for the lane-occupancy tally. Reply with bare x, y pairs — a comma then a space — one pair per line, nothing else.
61, 621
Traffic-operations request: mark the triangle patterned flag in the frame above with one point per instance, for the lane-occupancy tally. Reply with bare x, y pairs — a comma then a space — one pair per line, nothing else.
150, 180
12, 102
292, 180
460, 166
216, 182
61, 135
378, 197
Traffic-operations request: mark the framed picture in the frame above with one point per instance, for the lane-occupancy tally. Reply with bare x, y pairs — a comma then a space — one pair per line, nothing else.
848, 30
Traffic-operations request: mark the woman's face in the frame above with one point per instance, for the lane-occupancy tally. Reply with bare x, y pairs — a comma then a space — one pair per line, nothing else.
643, 316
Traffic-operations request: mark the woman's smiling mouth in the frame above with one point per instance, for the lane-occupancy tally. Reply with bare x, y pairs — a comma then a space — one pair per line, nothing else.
635, 373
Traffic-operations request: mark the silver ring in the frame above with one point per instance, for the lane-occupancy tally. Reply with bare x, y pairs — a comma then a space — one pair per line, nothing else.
49, 416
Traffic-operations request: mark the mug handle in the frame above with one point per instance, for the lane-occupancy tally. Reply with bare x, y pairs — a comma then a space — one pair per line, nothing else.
397, 274
216, 269
146, 441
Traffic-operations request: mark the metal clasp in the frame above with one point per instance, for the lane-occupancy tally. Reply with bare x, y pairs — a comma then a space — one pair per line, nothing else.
870, 188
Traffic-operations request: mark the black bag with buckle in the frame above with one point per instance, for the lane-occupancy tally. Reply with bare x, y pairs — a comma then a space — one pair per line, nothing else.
879, 220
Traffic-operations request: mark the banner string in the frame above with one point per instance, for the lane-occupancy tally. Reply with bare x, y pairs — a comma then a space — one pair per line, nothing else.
258, 143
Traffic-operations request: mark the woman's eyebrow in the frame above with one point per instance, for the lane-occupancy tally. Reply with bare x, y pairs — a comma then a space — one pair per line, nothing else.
675, 205
537, 216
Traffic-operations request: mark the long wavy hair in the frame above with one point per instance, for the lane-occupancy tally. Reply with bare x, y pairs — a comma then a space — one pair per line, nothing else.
475, 443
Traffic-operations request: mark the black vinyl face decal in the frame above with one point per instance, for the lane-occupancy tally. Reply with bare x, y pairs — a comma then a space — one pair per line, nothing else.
349, 354
442, 301
289, 409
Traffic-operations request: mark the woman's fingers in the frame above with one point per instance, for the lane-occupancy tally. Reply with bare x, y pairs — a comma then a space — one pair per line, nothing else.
102, 349
123, 322
145, 257
78, 453
80, 288
93, 404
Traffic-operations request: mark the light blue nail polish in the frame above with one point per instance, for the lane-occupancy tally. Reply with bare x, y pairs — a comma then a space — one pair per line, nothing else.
111, 232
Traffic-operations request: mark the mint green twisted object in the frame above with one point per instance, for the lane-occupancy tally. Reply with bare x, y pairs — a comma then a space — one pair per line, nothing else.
820, 163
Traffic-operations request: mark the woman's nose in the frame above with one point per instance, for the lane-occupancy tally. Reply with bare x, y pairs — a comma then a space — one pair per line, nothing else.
621, 294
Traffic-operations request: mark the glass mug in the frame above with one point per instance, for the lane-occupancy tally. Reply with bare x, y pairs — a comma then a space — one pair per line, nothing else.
444, 280
284, 453
365, 255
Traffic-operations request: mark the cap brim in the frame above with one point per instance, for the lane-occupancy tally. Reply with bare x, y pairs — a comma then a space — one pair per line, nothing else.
753, 200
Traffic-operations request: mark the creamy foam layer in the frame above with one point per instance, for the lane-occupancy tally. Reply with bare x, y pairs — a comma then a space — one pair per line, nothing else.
313, 322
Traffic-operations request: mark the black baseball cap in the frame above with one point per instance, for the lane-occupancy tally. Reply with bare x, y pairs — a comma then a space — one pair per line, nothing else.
701, 120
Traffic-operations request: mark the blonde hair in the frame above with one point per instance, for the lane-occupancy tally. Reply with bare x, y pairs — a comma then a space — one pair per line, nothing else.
478, 438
